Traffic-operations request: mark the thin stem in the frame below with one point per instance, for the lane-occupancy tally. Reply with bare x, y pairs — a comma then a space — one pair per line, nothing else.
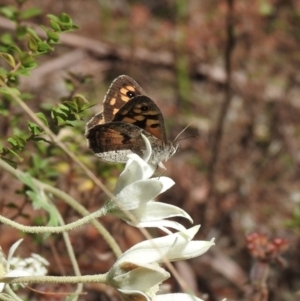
72, 257
54, 229
71, 202
227, 97
100, 278
210, 207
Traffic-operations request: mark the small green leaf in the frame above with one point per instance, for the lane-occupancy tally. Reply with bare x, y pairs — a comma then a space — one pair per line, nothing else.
9, 12
60, 121
61, 109
14, 154
6, 39
17, 141
32, 44
42, 117
10, 162
9, 91
12, 78
34, 128
65, 18
53, 17
33, 34
52, 36
9, 59
44, 47
55, 26
31, 12
63, 21
27, 61
40, 199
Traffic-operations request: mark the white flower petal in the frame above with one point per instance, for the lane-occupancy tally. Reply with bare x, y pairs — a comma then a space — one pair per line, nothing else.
39, 259
191, 250
142, 278
138, 193
17, 273
148, 152
167, 241
154, 211
176, 297
136, 169
154, 250
167, 183
12, 251
161, 224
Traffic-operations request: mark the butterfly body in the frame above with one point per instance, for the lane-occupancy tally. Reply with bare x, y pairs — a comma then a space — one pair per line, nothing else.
128, 113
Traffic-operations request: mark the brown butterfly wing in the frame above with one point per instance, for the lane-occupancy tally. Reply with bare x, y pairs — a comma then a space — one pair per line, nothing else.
113, 141
128, 113
122, 89
97, 119
145, 114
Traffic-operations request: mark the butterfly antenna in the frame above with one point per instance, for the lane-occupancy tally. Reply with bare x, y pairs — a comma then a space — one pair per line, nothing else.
192, 136
176, 138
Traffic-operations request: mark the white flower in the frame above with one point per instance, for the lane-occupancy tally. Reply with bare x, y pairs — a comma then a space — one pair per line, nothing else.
138, 273
13, 267
135, 192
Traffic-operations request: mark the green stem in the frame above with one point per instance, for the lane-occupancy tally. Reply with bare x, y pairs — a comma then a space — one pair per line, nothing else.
71, 202
100, 278
54, 229
72, 257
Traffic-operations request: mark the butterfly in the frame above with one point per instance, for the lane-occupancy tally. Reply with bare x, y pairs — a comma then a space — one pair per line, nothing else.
128, 113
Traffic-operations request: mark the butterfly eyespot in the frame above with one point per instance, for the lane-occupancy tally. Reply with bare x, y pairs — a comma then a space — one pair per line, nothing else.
130, 94
144, 108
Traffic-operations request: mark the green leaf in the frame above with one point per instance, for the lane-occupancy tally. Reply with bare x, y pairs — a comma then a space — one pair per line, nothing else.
32, 44
44, 47
9, 12
60, 121
10, 162
53, 37
14, 154
64, 18
62, 110
27, 61
53, 17
34, 35
6, 39
34, 128
55, 26
9, 91
39, 198
64, 22
17, 141
31, 12
9, 59
42, 117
